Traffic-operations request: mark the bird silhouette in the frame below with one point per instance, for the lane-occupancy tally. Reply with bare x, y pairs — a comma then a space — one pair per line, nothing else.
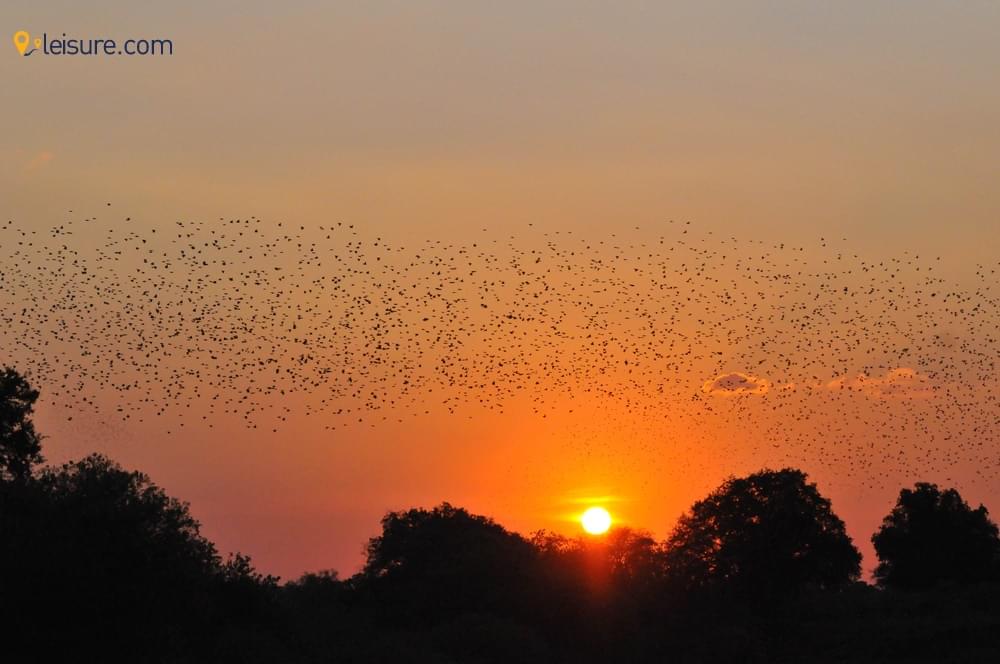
867, 365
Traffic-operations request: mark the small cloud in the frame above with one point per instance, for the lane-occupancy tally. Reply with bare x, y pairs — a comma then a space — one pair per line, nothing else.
39, 161
735, 383
903, 382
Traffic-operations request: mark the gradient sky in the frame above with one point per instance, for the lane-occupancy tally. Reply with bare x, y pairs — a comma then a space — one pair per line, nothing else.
776, 121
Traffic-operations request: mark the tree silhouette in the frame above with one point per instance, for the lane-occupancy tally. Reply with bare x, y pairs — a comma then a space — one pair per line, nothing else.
462, 578
102, 550
20, 446
446, 560
933, 536
625, 559
97, 563
767, 534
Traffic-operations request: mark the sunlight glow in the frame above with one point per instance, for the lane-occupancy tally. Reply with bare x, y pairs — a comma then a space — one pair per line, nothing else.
596, 520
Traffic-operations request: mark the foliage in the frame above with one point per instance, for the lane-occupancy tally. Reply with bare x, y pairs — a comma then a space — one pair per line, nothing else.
97, 563
765, 535
933, 536
20, 446
447, 559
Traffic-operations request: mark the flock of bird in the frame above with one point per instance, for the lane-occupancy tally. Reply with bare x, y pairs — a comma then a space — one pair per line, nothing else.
861, 363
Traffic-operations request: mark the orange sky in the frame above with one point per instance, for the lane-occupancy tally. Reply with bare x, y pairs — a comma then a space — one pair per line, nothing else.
418, 122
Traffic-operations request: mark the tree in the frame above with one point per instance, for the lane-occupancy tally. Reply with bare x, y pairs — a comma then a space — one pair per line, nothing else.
102, 550
20, 446
601, 596
445, 561
767, 534
933, 536
629, 560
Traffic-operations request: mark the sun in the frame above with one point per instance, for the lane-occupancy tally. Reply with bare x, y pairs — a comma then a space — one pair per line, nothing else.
596, 520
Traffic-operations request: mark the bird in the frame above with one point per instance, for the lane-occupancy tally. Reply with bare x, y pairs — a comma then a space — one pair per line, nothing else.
871, 366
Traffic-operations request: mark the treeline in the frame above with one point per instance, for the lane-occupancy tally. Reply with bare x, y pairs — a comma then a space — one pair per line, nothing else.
99, 564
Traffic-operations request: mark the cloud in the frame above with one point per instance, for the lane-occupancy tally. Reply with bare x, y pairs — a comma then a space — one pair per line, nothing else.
903, 382
39, 161
735, 383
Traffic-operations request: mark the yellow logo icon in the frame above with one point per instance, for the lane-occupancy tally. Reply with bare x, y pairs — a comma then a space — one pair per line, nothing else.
21, 41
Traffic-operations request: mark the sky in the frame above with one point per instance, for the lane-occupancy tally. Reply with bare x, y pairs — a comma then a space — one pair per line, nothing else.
861, 132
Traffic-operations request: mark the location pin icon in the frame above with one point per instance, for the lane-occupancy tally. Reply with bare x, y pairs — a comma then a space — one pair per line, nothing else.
21, 39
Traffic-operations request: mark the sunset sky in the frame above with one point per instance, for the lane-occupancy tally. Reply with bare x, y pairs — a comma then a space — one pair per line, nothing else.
858, 133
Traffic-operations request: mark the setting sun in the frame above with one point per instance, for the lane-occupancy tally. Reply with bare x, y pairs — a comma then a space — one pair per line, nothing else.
596, 520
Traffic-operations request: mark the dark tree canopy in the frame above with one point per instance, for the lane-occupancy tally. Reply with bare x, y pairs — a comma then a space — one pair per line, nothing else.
132, 514
97, 563
96, 549
20, 446
624, 558
770, 532
933, 536
447, 558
